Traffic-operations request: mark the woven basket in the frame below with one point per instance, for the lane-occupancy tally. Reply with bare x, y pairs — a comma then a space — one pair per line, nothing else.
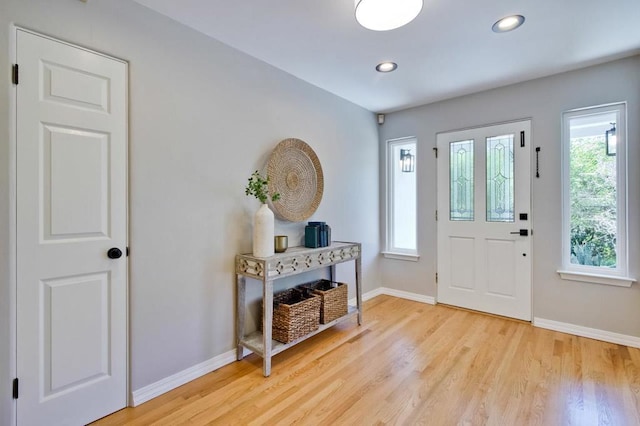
294, 315
334, 299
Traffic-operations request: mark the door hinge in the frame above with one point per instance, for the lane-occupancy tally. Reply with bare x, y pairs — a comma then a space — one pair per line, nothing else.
436, 278
435, 151
127, 251
15, 75
15, 388
522, 139
436, 215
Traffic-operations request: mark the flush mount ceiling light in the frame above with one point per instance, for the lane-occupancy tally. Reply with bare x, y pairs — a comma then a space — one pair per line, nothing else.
386, 66
508, 23
384, 15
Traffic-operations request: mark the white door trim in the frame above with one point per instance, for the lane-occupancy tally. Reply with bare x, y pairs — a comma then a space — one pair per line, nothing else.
13, 283
13, 228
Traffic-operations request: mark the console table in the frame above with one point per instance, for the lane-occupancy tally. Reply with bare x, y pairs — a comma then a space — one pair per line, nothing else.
295, 260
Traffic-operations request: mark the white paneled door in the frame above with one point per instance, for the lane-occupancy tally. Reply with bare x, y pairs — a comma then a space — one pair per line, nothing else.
71, 218
484, 219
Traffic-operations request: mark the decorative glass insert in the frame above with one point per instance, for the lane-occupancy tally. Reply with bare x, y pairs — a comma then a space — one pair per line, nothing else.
500, 190
461, 183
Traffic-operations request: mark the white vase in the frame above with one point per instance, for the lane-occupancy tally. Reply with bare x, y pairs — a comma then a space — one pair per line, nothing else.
263, 232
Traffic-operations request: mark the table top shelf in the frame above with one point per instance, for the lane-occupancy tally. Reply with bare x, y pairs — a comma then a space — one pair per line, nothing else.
295, 260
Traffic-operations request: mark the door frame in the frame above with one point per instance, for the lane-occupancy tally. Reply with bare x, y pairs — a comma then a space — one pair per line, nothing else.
531, 216
13, 231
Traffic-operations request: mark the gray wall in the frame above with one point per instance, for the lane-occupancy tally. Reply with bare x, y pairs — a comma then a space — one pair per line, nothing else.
591, 305
203, 116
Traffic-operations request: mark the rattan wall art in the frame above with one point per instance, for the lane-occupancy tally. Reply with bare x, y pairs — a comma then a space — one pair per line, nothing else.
295, 172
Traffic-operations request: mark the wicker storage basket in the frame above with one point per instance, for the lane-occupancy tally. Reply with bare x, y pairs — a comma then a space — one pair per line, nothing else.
334, 299
295, 314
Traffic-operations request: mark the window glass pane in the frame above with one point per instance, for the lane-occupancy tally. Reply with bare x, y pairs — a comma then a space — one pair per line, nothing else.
500, 195
593, 191
461, 180
403, 196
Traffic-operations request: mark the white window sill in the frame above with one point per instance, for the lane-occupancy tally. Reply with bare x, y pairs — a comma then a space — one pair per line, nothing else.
401, 256
596, 278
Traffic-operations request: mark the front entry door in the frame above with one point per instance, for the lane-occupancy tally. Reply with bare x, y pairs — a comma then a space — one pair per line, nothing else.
71, 198
484, 219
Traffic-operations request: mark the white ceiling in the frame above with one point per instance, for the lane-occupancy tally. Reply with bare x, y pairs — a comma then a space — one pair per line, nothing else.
448, 50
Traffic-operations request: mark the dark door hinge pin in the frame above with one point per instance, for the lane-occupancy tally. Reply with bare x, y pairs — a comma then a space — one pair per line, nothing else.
15, 388
15, 76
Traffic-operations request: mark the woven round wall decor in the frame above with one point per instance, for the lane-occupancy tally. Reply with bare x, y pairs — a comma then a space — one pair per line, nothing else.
294, 171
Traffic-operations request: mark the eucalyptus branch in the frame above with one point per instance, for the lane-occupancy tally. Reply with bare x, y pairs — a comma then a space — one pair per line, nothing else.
259, 188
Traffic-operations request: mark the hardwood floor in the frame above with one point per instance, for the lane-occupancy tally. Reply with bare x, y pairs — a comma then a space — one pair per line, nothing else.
411, 363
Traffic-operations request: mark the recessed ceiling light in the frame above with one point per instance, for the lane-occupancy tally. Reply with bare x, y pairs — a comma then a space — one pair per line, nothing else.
384, 15
386, 66
508, 23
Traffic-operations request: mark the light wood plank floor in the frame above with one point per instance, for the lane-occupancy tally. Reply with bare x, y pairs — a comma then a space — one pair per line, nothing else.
411, 363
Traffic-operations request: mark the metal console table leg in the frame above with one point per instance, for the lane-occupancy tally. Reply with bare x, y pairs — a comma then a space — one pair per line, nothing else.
267, 318
240, 315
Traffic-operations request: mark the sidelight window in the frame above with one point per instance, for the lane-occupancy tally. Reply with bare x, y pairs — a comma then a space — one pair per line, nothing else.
594, 194
401, 211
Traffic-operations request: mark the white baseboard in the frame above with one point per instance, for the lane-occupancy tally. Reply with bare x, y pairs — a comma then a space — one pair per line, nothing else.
409, 296
185, 376
396, 293
592, 333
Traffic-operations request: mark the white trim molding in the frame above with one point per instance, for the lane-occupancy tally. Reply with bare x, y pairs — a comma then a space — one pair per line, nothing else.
615, 114
592, 333
596, 278
368, 295
185, 376
395, 293
409, 296
401, 256
406, 185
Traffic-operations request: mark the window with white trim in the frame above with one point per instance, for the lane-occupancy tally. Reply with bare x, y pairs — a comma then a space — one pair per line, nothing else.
594, 195
401, 220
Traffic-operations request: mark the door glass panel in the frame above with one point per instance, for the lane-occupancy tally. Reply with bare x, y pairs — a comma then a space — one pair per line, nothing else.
500, 190
461, 184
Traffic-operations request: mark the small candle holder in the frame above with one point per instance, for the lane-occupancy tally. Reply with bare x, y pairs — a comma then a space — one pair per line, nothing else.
281, 243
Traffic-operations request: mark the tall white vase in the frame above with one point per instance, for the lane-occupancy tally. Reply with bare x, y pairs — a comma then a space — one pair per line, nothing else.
263, 232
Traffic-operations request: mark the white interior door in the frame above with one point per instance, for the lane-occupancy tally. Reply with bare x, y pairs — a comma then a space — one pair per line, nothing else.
484, 202
71, 209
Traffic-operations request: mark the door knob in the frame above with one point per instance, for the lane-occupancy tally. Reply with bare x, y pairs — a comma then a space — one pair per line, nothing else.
114, 253
522, 232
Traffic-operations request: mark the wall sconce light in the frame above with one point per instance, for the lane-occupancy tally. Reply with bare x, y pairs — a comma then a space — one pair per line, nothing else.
407, 161
611, 139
